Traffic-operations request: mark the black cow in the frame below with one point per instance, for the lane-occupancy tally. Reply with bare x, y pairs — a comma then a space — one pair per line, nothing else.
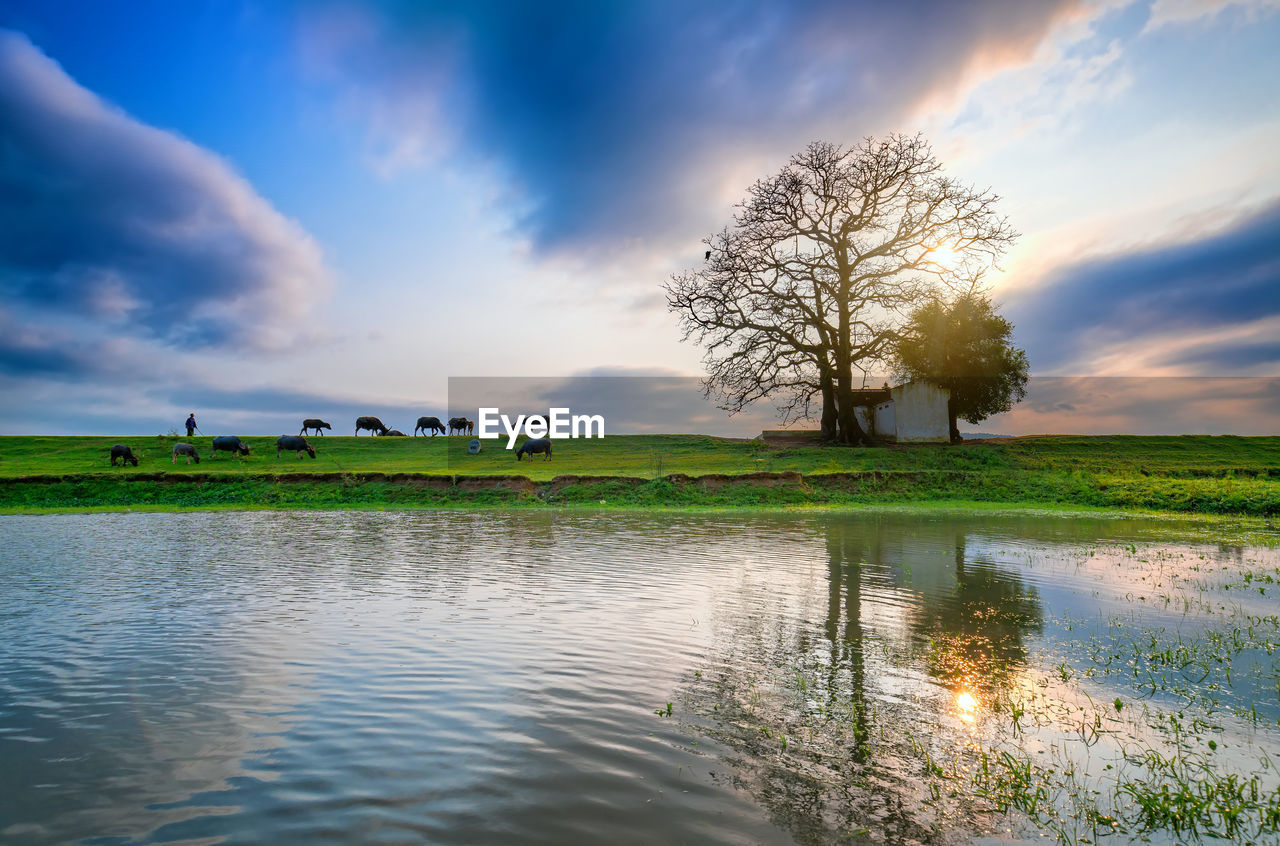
314, 423
461, 425
373, 424
228, 443
296, 443
431, 424
532, 447
393, 433
187, 451
124, 454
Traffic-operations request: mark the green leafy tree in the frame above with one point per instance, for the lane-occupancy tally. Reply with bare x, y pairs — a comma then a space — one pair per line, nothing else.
965, 346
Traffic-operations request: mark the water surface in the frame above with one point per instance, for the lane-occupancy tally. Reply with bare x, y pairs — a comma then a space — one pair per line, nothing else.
626, 677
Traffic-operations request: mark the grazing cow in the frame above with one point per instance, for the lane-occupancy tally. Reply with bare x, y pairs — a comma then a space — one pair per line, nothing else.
229, 443
532, 447
431, 424
394, 433
123, 453
296, 443
314, 423
461, 425
373, 424
188, 451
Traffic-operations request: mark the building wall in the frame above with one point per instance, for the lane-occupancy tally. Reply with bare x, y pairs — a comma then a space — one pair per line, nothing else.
885, 426
920, 414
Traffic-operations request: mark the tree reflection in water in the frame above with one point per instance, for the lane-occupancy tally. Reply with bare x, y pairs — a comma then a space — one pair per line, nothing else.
832, 722
974, 636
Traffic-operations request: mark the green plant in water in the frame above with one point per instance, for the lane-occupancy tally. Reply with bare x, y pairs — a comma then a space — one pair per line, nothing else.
1184, 795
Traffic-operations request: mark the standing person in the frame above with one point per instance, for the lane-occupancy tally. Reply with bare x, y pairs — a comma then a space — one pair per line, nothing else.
191, 425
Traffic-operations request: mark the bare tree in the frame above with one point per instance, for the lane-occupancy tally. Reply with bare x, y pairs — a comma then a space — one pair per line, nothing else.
820, 267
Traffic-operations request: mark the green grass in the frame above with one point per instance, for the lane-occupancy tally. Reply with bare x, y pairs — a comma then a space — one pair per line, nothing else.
649, 456
643, 456
1190, 474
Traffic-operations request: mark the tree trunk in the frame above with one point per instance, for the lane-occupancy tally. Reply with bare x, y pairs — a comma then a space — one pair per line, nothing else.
951, 416
830, 420
850, 430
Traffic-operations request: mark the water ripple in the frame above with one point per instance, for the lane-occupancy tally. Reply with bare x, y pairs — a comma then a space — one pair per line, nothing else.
533, 678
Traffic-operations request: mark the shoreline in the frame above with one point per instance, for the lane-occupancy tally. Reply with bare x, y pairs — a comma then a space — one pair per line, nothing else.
1195, 497
1164, 525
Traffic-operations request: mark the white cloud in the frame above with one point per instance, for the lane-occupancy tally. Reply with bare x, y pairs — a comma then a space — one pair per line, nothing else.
1180, 12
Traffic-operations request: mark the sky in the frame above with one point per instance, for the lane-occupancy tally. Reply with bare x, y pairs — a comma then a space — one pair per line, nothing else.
267, 211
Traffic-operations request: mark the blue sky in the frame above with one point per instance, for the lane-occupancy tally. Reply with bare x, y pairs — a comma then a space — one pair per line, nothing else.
262, 211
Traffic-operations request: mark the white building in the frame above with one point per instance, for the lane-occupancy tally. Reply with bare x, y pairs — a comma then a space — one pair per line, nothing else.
914, 413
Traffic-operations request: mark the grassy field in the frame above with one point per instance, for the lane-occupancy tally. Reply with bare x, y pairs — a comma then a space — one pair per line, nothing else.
1200, 474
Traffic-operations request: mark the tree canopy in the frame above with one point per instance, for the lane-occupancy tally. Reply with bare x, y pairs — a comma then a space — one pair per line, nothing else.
965, 346
821, 265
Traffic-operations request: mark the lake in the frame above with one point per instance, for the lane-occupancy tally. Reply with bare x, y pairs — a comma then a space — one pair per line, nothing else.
631, 677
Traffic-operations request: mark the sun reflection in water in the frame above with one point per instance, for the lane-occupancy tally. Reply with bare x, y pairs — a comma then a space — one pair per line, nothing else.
967, 705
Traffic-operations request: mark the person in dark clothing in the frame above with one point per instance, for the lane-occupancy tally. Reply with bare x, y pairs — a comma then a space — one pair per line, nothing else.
191, 425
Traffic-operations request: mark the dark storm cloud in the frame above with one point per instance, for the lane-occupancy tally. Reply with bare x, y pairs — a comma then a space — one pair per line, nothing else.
52, 353
1217, 281
614, 121
42, 359
130, 230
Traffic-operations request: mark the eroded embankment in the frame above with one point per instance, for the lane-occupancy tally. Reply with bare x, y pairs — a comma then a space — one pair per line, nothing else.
79, 492
432, 482
440, 481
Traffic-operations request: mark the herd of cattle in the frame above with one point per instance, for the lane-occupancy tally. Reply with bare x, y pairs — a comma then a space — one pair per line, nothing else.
298, 443
432, 425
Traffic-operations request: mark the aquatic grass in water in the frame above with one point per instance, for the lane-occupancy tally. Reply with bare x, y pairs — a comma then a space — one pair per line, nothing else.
1030, 738
1184, 793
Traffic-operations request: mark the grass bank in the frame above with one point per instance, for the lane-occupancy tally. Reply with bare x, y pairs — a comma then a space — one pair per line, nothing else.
1191, 474
654, 456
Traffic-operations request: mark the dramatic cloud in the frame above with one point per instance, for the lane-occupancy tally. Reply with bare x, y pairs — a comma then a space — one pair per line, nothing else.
1206, 305
613, 123
111, 227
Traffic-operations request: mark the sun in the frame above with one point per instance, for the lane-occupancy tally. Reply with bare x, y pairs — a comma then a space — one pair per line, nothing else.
945, 256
